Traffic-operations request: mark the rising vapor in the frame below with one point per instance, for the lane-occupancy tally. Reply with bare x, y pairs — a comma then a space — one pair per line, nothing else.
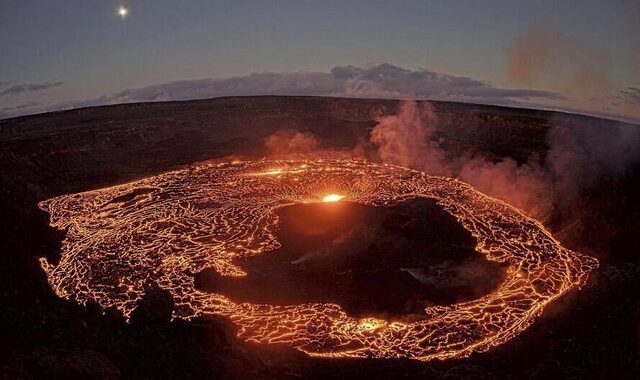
546, 57
577, 157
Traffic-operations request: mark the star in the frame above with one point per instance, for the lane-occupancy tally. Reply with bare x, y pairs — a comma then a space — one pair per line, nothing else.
123, 12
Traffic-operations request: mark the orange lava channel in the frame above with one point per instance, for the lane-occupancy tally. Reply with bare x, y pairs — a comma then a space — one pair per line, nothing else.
162, 229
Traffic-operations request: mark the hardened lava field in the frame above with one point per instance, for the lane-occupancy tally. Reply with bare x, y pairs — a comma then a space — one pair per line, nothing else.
164, 229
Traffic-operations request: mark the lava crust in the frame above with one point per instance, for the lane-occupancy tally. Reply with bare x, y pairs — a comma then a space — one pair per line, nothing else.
387, 262
162, 230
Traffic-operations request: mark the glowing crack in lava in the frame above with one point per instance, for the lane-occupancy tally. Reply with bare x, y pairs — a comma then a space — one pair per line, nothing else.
162, 230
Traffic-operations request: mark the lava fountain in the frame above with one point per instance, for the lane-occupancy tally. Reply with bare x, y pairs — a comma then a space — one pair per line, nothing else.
161, 230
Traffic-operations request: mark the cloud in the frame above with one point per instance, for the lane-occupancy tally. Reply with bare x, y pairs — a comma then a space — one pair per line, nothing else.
386, 80
7, 111
631, 95
383, 80
379, 81
546, 57
20, 88
626, 103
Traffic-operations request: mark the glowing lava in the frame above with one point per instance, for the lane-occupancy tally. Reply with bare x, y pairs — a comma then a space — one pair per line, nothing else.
161, 230
332, 198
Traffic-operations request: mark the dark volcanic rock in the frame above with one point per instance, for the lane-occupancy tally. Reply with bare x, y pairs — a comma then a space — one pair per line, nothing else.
67, 364
155, 307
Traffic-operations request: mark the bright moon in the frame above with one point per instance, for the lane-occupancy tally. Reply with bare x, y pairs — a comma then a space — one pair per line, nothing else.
123, 12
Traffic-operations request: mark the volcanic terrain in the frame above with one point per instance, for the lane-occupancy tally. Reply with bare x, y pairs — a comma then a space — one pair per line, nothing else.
586, 333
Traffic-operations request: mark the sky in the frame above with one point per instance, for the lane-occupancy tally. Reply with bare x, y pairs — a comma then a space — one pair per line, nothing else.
579, 55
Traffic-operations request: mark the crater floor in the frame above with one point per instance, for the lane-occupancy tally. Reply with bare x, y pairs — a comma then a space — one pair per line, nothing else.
163, 231
389, 262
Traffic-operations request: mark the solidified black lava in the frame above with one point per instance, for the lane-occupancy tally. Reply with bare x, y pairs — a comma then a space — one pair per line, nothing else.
372, 261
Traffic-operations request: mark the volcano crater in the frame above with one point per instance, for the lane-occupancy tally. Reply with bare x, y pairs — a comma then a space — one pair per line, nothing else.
387, 262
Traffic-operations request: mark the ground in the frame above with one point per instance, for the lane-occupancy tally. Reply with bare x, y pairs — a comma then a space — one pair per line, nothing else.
591, 333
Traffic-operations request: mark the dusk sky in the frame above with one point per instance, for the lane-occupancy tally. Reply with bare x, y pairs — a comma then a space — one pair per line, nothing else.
579, 56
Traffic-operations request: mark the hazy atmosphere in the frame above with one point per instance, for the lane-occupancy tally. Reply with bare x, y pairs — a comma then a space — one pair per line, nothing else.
581, 57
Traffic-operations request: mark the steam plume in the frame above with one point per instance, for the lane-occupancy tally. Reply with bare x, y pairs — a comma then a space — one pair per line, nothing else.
290, 141
401, 139
406, 139
579, 156
545, 57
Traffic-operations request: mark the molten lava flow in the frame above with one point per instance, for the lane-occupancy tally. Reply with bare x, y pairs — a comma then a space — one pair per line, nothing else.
332, 198
160, 230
